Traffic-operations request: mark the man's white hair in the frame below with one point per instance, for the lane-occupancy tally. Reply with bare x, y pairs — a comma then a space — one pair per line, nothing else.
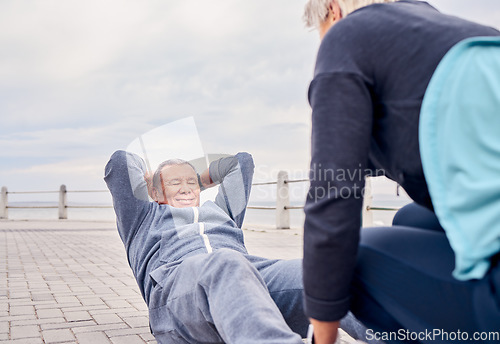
316, 11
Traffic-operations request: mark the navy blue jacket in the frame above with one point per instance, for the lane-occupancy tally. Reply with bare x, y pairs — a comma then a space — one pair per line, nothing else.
371, 74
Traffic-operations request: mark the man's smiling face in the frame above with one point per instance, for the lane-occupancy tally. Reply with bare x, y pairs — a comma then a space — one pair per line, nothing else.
180, 186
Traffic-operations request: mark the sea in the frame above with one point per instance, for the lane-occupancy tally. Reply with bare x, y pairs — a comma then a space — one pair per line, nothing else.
253, 216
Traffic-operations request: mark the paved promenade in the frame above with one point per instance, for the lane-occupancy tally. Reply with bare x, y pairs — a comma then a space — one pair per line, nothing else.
69, 282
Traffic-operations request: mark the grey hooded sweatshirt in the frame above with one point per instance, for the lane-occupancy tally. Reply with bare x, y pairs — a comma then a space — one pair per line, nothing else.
159, 236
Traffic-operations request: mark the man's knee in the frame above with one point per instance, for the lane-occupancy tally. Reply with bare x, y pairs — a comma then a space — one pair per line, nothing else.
228, 262
225, 256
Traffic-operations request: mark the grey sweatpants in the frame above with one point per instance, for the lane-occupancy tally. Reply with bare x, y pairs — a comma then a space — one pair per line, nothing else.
228, 297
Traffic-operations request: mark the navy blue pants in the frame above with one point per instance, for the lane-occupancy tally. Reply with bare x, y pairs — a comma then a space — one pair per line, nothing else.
403, 290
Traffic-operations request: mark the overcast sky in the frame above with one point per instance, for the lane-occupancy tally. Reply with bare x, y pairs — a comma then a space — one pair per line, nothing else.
80, 79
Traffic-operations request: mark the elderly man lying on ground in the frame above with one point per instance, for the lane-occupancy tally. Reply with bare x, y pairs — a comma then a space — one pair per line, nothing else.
190, 261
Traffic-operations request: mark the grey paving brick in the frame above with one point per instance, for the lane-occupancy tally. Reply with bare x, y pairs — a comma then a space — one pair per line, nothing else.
28, 331
57, 336
128, 331
103, 319
77, 316
93, 301
79, 308
117, 311
48, 313
42, 296
116, 303
22, 310
71, 325
92, 338
147, 337
62, 306
17, 317
19, 285
15, 303
19, 295
102, 328
23, 341
69, 299
60, 275
38, 321
140, 321
140, 305
128, 313
132, 339
81, 290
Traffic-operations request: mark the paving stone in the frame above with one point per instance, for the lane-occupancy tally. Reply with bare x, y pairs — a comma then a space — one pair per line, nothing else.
38, 321
127, 331
133, 339
24, 302
93, 327
140, 321
49, 313
22, 310
28, 331
80, 308
58, 276
42, 297
20, 295
71, 325
103, 319
91, 301
57, 336
92, 338
147, 337
77, 316
67, 299
61, 306
81, 290
130, 311
23, 341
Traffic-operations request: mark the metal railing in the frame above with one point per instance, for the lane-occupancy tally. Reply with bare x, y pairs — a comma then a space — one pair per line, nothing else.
282, 206
283, 202
62, 205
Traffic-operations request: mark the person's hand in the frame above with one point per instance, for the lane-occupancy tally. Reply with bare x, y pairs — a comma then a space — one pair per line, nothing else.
325, 332
205, 180
148, 177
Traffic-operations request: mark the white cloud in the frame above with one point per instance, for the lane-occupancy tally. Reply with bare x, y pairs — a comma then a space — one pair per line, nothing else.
486, 12
58, 40
81, 79
67, 142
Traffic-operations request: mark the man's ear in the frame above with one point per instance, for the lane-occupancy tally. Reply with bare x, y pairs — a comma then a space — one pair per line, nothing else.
335, 12
156, 196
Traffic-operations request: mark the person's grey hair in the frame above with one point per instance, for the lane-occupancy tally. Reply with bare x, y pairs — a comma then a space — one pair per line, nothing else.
170, 162
316, 11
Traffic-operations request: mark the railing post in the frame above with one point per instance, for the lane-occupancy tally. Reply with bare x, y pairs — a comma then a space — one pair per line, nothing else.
63, 211
4, 211
282, 202
367, 215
